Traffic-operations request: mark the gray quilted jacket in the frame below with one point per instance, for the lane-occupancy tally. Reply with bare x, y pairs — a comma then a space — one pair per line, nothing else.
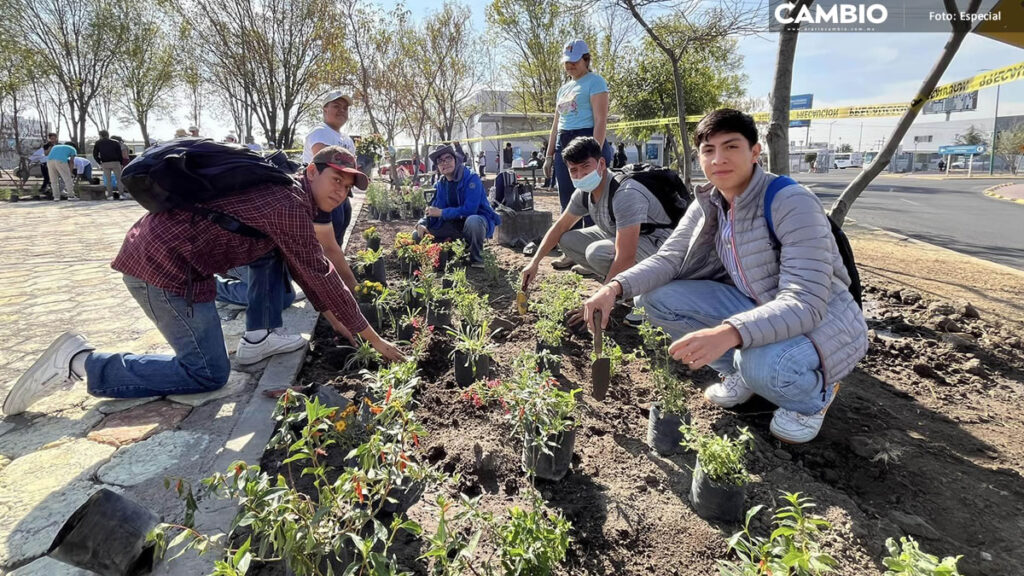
801, 289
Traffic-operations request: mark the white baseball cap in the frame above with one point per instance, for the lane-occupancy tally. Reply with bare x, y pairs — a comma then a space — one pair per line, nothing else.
575, 50
336, 95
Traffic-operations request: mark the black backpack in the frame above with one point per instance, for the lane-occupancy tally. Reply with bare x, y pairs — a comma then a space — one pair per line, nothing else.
185, 173
510, 192
842, 242
664, 183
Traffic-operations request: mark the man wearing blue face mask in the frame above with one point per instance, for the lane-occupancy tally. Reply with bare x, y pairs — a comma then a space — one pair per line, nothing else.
629, 223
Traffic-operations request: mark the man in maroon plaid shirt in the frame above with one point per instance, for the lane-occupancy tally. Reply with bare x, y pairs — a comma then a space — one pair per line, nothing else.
169, 259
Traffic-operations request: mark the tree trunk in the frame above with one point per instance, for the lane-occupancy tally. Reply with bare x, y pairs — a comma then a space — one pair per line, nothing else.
777, 137
841, 207
677, 78
145, 132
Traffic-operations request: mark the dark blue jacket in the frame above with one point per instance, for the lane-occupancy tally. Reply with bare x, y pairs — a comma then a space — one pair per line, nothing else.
461, 199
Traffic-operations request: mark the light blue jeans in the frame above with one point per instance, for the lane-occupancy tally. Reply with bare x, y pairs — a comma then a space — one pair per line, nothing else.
786, 373
200, 361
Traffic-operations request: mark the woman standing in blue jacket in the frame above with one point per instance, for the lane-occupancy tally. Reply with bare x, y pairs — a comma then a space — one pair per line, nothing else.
460, 209
581, 109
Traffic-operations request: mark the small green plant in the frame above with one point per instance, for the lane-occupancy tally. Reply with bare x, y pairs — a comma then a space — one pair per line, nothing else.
720, 457
557, 296
459, 250
368, 257
337, 519
906, 559
669, 390
363, 358
530, 400
371, 233
471, 341
792, 548
530, 541
492, 270
656, 343
472, 308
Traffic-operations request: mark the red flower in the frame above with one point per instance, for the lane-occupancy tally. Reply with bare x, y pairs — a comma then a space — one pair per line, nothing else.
416, 323
493, 383
431, 328
388, 397
416, 273
416, 440
359, 491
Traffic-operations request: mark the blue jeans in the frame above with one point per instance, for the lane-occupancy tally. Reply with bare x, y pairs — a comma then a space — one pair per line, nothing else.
786, 373
200, 362
264, 291
561, 169
473, 231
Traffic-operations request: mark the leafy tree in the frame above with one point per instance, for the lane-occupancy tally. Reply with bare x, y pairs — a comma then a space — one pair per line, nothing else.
645, 87
16, 62
1010, 146
534, 33
450, 33
145, 68
285, 54
76, 41
845, 147
973, 137
687, 26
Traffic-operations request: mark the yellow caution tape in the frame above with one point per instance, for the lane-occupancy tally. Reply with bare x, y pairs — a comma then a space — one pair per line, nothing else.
1003, 75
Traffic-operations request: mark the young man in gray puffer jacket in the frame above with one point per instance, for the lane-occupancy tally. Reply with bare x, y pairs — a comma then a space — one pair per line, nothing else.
777, 322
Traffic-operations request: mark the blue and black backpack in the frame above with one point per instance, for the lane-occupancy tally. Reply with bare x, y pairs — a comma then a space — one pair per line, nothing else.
842, 242
186, 173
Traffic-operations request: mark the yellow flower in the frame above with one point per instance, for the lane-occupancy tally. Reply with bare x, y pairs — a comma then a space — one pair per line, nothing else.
340, 425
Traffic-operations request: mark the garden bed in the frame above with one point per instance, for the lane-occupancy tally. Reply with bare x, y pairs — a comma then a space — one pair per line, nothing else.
924, 439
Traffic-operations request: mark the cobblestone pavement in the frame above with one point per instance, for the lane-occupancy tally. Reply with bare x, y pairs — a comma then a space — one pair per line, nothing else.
55, 276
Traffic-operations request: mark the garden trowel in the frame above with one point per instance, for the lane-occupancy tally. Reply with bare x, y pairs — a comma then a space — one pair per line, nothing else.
521, 302
601, 368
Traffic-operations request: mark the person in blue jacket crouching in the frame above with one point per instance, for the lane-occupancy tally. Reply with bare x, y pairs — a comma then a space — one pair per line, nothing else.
460, 209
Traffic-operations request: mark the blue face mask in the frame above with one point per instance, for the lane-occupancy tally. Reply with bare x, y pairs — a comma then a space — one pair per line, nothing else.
588, 183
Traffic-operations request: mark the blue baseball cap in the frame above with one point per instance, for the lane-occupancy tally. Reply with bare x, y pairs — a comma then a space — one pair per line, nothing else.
575, 50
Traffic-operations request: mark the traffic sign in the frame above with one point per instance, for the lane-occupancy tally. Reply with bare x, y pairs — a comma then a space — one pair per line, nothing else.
965, 150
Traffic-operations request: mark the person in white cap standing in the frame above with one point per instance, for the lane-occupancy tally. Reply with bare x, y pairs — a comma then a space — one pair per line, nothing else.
581, 109
328, 132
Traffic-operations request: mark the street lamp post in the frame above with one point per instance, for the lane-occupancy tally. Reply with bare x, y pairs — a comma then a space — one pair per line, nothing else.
992, 150
830, 134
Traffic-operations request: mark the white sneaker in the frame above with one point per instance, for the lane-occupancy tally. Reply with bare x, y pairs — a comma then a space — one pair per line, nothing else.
299, 296
50, 373
729, 392
796, 428
276, 342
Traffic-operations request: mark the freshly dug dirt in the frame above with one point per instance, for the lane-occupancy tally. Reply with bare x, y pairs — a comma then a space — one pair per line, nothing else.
925, 438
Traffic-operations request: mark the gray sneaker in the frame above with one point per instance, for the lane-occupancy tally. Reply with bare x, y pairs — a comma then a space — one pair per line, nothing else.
585, 272
50, 373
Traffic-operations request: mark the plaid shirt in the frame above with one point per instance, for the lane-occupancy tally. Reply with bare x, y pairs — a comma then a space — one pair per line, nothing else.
180, 252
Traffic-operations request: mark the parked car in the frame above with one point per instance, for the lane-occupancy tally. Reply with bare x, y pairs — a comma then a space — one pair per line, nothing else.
404, 167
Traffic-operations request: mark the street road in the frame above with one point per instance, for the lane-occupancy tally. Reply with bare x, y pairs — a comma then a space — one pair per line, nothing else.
954, 214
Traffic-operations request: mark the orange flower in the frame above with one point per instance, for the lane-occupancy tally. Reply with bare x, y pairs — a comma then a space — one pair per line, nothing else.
416, 440
388, 397
376, 409
359, 491
402, 462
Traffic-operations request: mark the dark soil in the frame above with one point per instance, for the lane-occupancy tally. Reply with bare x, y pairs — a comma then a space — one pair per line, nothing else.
924, 438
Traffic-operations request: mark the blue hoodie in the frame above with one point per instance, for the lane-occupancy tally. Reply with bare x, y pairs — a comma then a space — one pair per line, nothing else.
461, 199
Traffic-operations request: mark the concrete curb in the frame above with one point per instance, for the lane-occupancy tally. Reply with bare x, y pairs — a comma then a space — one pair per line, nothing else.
249, 437
991, 192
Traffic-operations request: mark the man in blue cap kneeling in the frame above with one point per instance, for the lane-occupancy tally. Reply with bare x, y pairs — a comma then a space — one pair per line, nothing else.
460, 209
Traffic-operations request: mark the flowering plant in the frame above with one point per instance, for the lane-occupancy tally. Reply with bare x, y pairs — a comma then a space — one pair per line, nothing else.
371, 233
368, 291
